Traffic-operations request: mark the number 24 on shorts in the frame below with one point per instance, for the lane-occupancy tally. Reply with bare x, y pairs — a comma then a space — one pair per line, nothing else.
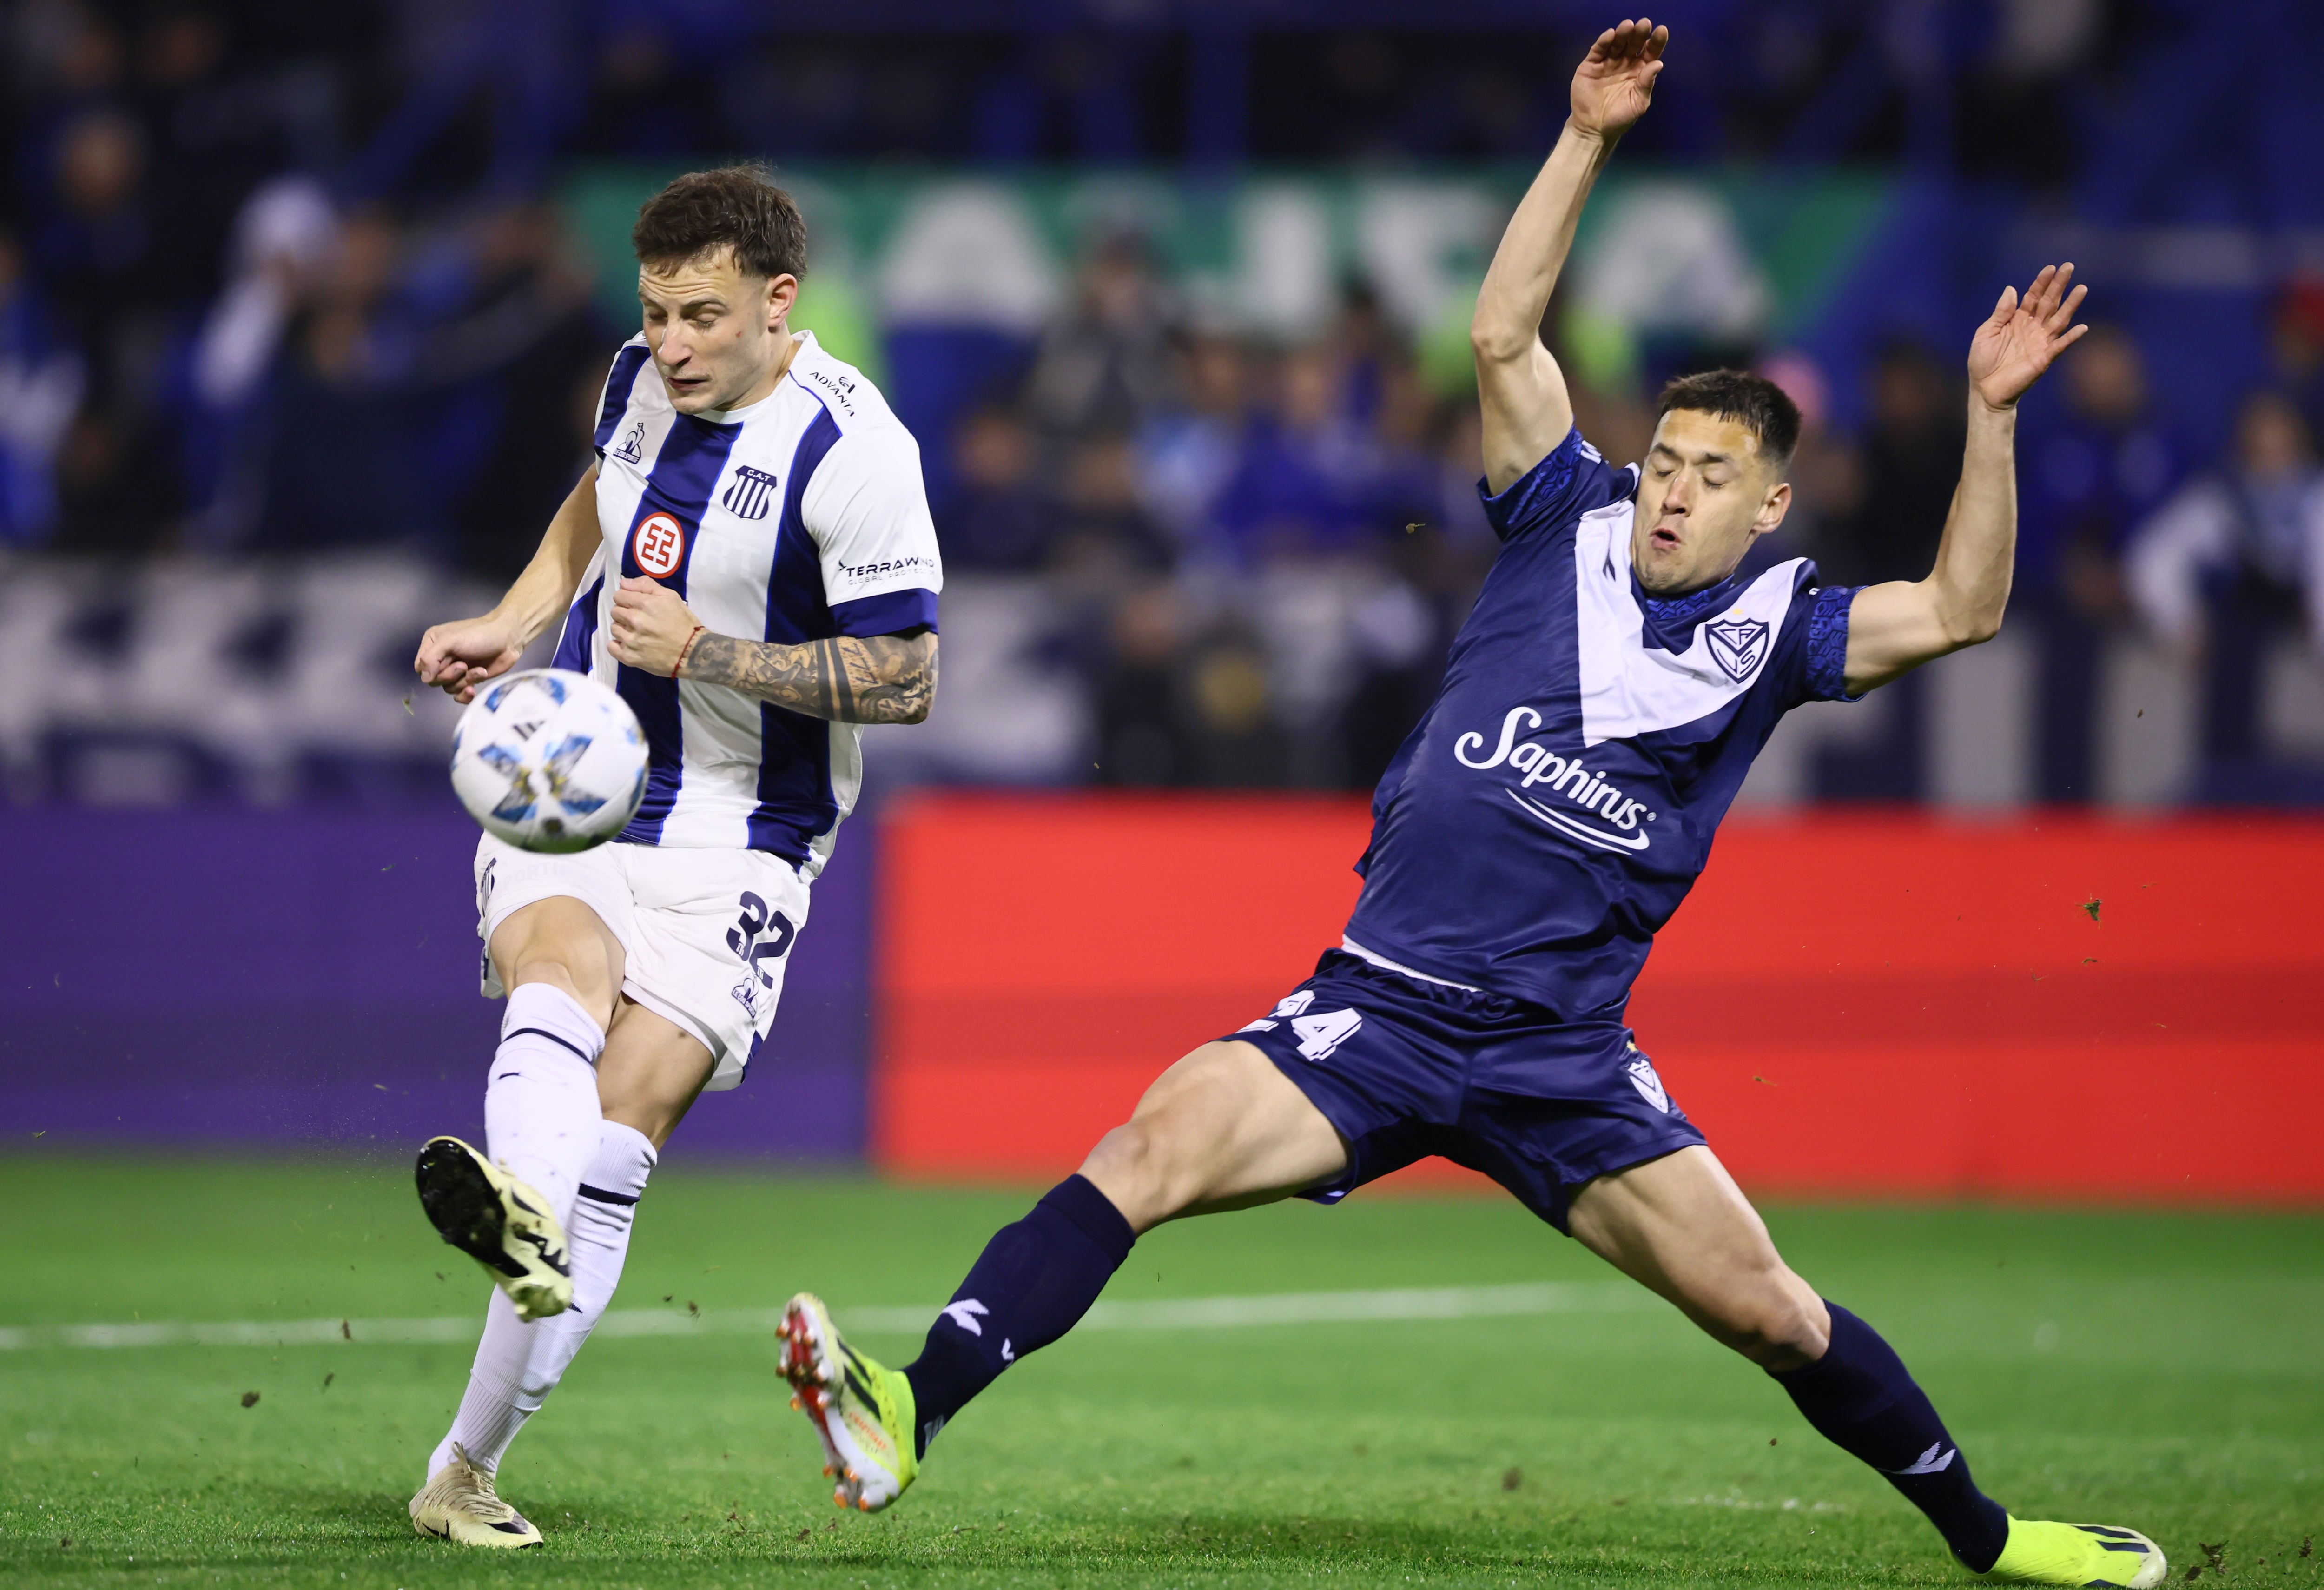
743, 938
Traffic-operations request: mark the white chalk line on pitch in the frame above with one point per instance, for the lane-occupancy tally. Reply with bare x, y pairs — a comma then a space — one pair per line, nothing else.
1162, 1314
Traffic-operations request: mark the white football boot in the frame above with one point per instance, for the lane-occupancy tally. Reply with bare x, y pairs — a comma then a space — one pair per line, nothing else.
458, 1503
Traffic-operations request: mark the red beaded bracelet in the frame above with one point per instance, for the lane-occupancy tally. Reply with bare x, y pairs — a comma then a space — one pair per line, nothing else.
678, 669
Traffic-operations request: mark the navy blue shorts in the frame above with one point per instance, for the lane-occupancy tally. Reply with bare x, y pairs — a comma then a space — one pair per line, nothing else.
1404, 1068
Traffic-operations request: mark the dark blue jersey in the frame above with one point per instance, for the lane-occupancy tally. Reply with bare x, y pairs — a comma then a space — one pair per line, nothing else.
1558, 800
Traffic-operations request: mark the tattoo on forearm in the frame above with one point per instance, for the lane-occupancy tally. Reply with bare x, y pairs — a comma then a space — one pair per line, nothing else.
876, 678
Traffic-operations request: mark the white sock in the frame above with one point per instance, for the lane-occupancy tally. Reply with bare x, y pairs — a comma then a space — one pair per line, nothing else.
489, 1416
541, 1113
600, 1238
518, 1365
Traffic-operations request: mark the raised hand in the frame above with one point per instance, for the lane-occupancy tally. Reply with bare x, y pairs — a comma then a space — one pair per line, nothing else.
2011, 349
1615, 82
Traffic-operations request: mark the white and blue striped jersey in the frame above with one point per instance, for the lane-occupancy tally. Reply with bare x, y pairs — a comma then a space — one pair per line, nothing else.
798, 517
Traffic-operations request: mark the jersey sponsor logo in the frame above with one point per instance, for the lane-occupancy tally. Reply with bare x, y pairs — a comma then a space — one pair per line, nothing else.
746, 496
1738, 645
1567, 778
842, 390
858, 573
658, 545
1649, 1083
632, 450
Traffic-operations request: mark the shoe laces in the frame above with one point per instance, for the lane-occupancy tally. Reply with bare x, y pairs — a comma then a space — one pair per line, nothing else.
469, 1487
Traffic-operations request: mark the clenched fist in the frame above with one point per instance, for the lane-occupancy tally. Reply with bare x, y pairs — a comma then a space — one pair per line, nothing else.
652, 624
458, 657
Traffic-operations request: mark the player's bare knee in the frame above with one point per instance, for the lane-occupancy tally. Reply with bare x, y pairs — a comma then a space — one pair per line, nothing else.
585, 985
1156, 1165
1126, 1168
1777, 1322
573, 963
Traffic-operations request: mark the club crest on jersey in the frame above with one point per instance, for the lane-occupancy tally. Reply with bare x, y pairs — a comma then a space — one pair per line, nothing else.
1737, 645
748, 495
632, 450
658, 545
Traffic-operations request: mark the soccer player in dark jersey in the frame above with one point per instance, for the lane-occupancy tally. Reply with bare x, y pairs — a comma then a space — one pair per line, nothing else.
1599, 711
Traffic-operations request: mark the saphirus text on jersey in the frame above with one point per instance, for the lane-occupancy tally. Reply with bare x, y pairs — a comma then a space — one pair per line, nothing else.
1541, 766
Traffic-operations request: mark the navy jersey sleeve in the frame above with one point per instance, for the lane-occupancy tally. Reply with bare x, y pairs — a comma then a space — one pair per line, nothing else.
1569, 483
1811, 660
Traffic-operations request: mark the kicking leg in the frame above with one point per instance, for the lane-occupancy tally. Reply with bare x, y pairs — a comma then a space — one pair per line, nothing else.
1679, 1226
508, 1206
1221, 1129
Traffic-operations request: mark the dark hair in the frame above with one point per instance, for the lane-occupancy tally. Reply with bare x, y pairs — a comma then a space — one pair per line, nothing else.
736, 206
1753, 401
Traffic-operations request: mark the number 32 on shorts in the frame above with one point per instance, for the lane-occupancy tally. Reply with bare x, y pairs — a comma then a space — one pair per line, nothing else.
760, 934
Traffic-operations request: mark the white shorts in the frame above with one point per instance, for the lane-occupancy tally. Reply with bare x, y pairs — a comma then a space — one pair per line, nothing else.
705, 934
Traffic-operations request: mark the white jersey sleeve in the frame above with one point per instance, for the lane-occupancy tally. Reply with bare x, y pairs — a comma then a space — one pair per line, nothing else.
868, 511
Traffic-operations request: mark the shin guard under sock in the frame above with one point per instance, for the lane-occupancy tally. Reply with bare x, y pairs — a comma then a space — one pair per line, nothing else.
541, 1113
1860, 1398
1032, 1282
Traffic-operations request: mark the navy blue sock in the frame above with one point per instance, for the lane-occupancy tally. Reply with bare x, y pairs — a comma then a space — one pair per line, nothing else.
1032, 1282
1860, 1398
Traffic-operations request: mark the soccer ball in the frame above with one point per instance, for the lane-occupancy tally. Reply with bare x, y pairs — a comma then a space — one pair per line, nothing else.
549, 760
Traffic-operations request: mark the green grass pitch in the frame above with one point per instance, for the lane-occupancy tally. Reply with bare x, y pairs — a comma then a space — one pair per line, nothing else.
2160, 1369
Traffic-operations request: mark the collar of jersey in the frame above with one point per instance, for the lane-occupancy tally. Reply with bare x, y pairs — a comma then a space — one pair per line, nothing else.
737, 416
1670, 621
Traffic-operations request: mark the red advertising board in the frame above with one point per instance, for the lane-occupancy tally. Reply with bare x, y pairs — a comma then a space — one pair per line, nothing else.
1850, 1004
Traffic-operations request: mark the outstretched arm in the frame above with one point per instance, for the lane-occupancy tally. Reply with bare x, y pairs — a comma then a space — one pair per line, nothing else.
1895, 627
458, 657
1526, 409
847, 678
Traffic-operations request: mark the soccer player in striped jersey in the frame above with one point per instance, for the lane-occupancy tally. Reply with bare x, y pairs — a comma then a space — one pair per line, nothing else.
750, 564
1600, 709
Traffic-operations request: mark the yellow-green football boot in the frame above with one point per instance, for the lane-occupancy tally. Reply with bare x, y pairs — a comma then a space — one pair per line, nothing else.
863, 1411
2044, 1553
498, 1221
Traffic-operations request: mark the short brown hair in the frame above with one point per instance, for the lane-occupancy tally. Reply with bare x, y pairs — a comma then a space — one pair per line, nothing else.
736, 206
1753, 401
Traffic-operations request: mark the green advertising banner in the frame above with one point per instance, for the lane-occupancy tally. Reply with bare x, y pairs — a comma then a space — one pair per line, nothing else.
1738, 256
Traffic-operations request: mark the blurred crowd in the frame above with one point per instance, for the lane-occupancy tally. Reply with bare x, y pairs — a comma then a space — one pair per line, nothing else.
203, 347
254, 300
1261, 551
1258, 551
